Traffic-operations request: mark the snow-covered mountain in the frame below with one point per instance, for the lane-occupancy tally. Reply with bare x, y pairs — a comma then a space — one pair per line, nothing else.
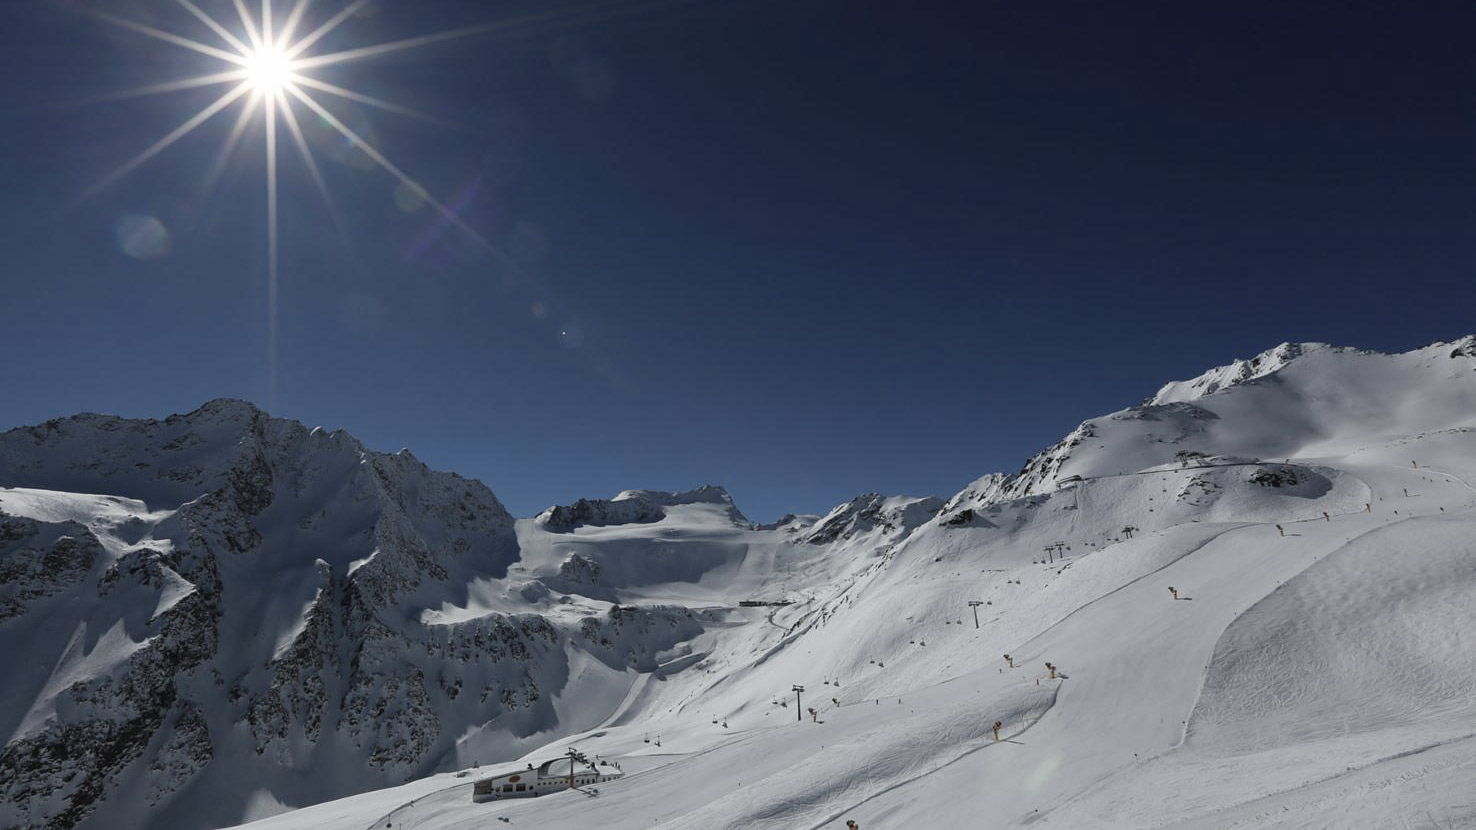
222, 616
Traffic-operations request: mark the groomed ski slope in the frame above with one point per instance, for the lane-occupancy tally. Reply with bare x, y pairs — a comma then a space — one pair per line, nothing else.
1325, 678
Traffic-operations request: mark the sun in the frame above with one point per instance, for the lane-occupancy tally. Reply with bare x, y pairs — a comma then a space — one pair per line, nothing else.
268, 70
268, 67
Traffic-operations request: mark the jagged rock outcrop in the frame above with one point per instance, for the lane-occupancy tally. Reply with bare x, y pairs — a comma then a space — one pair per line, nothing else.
39, 560
600, 513
892, 516
635, 507
1464, 347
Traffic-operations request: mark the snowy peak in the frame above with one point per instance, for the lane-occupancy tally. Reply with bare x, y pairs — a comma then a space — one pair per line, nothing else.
1294, 399
705, 494
1236, 372
791, 523
1275, 360
229, 409
891, 516
981, 492
640, 507
566, 518
1464, 347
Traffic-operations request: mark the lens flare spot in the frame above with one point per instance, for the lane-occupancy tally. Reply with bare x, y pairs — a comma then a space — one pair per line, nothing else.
1042, 773
142, 237
409, 199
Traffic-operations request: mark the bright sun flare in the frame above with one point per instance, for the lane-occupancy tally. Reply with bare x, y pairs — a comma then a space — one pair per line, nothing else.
268, 70
267, 64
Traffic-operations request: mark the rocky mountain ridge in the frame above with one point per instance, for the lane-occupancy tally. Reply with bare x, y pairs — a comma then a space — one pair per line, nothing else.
287, 570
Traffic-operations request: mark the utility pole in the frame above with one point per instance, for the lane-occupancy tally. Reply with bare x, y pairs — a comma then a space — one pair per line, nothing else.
798, 712
974, 604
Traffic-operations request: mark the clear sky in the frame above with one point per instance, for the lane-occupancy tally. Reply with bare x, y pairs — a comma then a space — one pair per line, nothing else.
805, 249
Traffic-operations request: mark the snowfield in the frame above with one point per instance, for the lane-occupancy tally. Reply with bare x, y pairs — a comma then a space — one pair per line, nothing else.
228, 619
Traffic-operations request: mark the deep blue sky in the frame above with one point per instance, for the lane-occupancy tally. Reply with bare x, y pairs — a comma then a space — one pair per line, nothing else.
804, 249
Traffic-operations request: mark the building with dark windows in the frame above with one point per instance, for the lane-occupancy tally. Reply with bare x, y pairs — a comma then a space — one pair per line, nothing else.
570, 771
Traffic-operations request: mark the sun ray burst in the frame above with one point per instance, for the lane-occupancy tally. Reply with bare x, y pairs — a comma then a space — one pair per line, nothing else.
370, 100
176, 134
168, 37
332, 23
214, 79
605, 9
271, 67
393, 46
250, 25
214, 26
272, 239
390, 167
306, 152
294, 18
217, 169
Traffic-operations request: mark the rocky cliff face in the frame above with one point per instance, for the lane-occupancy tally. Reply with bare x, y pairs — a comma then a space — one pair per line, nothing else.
240, 596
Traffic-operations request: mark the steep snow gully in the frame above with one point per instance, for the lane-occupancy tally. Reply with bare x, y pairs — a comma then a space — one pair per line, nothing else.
1244, 602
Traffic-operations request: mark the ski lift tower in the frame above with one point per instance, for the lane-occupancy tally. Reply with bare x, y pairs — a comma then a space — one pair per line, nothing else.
575, 756
974, 604
798, 711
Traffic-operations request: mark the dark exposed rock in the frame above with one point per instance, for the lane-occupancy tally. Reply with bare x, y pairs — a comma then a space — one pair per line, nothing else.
1277, 477
38, 562
600, 513
579, 569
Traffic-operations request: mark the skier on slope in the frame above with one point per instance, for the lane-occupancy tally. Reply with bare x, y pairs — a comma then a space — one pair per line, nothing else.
997, 726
